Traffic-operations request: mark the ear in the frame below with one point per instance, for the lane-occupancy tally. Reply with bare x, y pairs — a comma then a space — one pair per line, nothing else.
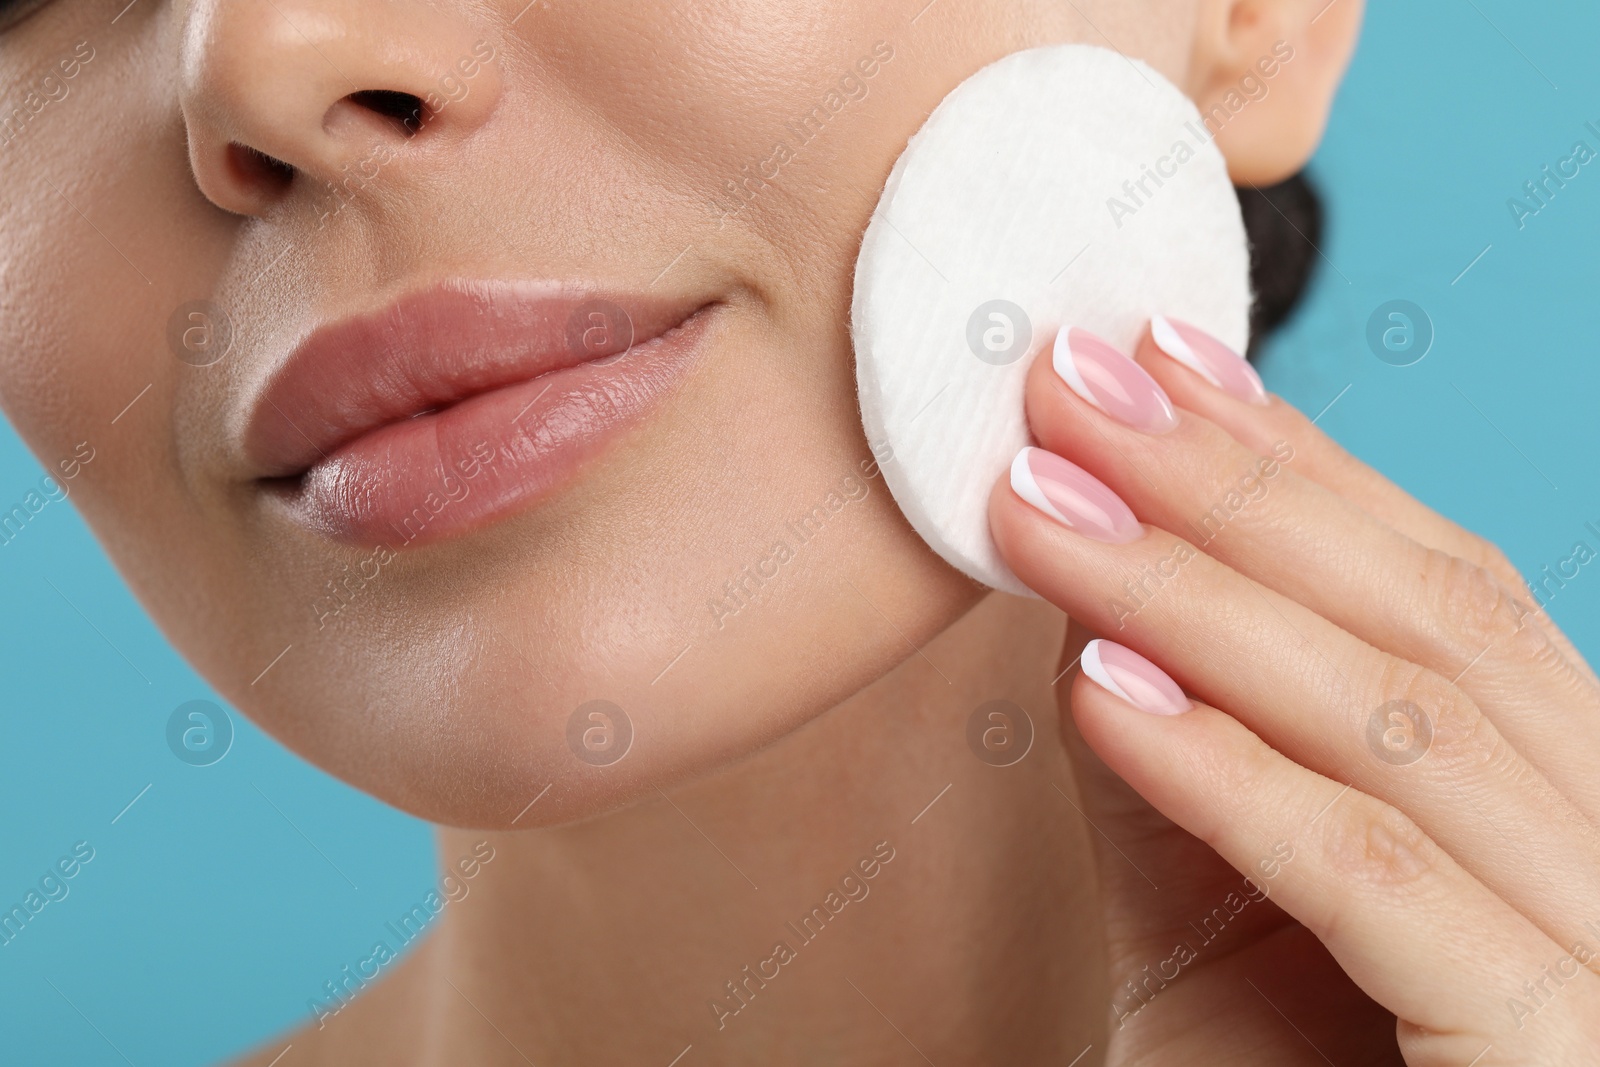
1264, 74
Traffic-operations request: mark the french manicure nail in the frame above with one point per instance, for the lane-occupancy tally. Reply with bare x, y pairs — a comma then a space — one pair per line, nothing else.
1073, 497
1111, 381
1209, 358
1124, 673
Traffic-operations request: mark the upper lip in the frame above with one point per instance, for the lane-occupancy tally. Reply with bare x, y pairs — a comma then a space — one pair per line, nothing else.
431, 348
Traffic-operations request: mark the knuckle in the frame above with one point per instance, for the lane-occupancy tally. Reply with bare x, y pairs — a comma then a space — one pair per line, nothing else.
1492, 558
1466, 745
1375, 845
1485, 616
1533, 646
1455, 736
1472, 601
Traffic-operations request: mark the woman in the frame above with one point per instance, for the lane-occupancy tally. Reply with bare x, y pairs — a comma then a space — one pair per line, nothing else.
472, 403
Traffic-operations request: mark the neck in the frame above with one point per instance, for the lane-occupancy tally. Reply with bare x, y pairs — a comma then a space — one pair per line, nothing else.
865, 885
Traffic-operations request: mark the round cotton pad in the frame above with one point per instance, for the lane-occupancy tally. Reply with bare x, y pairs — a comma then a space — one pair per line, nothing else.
1061, 186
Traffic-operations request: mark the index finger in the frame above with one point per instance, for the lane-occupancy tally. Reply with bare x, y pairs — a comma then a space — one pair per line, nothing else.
1205, 376
1187, 361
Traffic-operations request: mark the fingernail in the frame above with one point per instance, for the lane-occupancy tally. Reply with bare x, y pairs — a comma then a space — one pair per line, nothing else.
1111, 381
1209, 358
1073, 497
1121, 671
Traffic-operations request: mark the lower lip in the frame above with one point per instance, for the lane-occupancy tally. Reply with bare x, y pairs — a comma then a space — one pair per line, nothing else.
446, 473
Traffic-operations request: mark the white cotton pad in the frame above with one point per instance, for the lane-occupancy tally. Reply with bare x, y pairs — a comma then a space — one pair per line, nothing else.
1066, 185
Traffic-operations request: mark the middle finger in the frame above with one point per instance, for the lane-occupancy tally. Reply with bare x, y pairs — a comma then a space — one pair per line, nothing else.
1307, 687
1259, 516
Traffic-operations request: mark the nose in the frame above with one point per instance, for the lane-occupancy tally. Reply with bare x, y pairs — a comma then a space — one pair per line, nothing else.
275, 91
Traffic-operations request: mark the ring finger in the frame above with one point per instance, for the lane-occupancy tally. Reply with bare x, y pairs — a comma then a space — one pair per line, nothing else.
1390, 906
1306, 687
1323, 551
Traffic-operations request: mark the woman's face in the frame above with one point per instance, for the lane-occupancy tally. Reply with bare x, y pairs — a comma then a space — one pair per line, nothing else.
310, 305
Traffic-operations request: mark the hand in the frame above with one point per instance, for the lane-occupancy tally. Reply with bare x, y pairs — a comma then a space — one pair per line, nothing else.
1382, 802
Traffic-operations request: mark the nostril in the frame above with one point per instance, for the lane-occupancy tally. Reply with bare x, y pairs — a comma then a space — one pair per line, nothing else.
256, 167
407, 112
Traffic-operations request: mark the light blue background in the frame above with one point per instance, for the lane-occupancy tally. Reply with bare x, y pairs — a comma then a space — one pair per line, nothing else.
219, 903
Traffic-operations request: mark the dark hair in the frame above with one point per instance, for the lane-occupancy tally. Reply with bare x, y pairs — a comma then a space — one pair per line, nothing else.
1284, 224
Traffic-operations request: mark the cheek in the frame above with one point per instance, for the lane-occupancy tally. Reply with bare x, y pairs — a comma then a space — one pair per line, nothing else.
455, 648
105, 235
756, 126
91, 269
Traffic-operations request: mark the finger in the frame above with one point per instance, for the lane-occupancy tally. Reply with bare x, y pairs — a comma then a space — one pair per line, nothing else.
1168, 901
1153, 875
1260, 516
1261, 426
1410, 926
1186, 361
1311, 690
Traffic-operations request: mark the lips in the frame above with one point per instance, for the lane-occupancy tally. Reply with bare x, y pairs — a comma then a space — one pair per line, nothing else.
456, 405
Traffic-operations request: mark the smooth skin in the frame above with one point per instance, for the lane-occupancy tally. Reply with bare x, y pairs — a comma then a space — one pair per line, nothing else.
1453, 879
773, 752
596, 145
